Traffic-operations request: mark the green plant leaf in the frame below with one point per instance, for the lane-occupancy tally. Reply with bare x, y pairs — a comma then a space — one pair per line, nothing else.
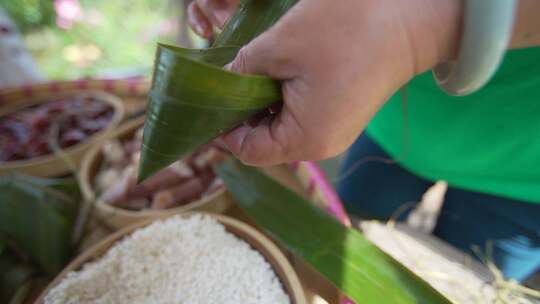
21, 293
193, 99
67, 186
2, 244
251, 19
14, 278
38, 218
342, 255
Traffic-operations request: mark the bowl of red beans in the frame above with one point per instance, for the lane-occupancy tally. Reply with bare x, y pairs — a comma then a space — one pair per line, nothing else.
48, 136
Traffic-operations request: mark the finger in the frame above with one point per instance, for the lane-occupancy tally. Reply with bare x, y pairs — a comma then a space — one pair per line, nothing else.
217, 11
218, 143
262, 57
198, 21
270, 142
274, 139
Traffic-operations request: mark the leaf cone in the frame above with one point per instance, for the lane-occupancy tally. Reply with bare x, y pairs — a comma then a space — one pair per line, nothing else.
193, 99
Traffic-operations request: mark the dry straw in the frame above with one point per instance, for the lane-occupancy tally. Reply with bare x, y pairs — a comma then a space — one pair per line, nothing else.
505, 291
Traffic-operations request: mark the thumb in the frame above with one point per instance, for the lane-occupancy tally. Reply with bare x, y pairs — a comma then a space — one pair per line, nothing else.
269, 142
262, 57
266, 141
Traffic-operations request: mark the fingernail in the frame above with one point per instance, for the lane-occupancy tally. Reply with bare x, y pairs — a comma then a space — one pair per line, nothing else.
233, 140
218, 142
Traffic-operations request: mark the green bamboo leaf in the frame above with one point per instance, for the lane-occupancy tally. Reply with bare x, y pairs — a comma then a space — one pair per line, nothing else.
251, 19
14, 278
193, 100
38, 219
68, 186
346, 258
21, 293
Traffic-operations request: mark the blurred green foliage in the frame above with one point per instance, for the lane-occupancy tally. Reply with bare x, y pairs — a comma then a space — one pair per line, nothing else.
28, 14
110, 37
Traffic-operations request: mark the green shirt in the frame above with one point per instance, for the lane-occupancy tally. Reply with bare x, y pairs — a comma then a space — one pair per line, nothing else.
487, 142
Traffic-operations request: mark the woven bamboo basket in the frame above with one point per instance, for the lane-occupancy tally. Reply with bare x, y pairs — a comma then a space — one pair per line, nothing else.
53, 165
256, 239
116, 218
303, 177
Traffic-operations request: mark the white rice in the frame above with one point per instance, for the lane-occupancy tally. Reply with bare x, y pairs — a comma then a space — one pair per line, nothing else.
180, 260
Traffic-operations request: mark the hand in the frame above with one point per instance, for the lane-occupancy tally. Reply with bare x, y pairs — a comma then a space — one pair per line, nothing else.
338, 61
205, 14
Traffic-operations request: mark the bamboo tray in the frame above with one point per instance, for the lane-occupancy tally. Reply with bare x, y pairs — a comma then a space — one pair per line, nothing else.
52, 165
116, 218
133, 87
257, 240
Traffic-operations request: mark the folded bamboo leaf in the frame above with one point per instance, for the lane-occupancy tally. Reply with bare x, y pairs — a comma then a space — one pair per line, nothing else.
193, 99
347, 259
38, 218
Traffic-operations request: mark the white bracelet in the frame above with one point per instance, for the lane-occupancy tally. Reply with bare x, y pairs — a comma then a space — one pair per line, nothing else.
487, 32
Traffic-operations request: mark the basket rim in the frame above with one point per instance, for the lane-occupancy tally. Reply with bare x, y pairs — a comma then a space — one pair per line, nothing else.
281, 266
114, 101
88, 190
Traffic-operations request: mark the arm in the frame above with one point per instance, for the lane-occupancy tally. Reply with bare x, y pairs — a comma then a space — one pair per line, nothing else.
527, 26
339, 61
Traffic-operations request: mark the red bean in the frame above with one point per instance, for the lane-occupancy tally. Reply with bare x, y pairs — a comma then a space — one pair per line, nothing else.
72, 137
29, 129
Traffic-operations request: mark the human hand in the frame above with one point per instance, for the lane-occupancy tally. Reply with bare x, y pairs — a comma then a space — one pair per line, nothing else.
338, 62
205, 14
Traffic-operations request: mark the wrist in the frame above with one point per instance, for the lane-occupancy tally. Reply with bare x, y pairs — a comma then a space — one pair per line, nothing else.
451, 18
435, 32
527, 25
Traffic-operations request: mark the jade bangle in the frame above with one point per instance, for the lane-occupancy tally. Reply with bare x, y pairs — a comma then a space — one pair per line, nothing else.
487, 32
